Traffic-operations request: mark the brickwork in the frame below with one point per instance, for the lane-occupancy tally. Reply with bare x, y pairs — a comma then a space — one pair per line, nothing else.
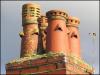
48, 65
39, 65
29, 43
78, 66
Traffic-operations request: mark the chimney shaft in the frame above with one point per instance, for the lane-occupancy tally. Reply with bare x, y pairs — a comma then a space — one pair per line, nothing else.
74, 36
30, 15
57, 38
43, 24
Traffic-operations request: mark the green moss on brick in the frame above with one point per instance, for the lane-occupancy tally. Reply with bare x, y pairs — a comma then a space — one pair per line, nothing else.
35, 56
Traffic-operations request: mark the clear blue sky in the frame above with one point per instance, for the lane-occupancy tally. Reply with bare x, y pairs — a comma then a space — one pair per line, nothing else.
11, 25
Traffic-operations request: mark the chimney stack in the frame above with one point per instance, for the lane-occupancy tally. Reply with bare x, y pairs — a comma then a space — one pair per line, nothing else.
30, 15
57, 38
74, 36
43, 24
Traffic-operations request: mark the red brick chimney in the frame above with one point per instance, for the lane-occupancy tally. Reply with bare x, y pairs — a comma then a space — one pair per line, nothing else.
30, 14
74, 37
43, 24
61, 42
57, 38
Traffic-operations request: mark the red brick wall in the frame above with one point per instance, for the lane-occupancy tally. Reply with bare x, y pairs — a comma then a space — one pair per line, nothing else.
51, 65
40, 65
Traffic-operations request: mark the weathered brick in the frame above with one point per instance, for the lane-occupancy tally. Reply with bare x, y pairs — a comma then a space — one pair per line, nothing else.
69, 67
38, 61
68, 72
15, 72
26, 64
29, 70
62, 72
60, 65
47, 67
55, 59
